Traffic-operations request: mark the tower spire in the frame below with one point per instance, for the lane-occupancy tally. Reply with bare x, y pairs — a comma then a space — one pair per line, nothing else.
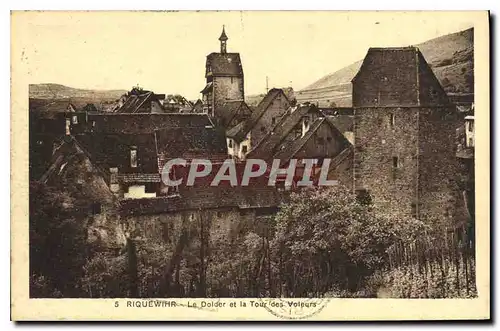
223, 40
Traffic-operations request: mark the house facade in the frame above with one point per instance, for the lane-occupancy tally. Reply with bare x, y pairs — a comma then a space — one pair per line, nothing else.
245, 135
304, 132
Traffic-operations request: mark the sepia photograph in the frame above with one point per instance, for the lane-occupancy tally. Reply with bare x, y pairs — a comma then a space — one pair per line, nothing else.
277, 161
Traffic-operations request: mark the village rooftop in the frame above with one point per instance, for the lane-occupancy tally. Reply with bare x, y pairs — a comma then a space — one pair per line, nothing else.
254, 168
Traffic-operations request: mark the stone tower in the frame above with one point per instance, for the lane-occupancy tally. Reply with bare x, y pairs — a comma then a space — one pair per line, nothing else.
404, 133
224, 79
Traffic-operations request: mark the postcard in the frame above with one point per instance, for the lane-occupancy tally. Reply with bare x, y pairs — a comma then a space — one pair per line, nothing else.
245, 165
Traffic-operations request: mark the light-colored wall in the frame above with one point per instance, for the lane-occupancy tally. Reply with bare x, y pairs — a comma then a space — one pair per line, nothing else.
137, 192
228, 88
469, 133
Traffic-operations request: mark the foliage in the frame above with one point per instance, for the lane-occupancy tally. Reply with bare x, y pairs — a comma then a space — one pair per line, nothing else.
407, 282
326, 239
57, 238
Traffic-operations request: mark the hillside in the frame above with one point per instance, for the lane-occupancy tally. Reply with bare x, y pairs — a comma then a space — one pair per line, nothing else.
450, 56
57, 91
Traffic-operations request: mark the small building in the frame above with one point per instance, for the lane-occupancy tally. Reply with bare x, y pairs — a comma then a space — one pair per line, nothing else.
304, 132
139, 100
197, 107
242, 137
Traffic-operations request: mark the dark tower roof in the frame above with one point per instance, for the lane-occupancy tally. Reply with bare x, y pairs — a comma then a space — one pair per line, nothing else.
396, 76
223, 36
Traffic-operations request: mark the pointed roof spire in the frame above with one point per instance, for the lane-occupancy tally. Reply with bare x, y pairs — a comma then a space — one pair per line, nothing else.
223, 36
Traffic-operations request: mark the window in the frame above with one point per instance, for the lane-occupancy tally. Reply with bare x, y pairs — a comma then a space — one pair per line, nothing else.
230, 144
273, 120
321, 140
471, 126
393, 120
262, 129
395, 162
75, 119
231, 80
150, 188
244, 149
329, 139
133, 157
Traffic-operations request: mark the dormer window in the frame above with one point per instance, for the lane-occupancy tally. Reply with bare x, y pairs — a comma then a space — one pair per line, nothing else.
133, 157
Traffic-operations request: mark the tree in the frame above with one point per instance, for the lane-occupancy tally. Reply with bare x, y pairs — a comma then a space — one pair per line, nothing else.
58, 247
326, 238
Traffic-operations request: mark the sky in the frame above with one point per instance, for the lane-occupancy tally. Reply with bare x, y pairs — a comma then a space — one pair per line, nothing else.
165, 51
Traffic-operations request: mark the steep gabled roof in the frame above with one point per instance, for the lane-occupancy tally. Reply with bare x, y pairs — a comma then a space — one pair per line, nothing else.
135, 102
228, 110
224, 64
293, 147
342, 122
393, 76
265, 148
242, 130
67, 153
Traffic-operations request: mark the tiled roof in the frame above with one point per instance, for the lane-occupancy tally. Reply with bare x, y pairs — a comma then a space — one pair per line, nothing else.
113, 149
196, 198
224, 64
392, 76
228, 110
140, 178
240, 133
293, 147
135, 102
265, 148
289, 151
142, 123
207, 88
190, 142
342, 122
334, 111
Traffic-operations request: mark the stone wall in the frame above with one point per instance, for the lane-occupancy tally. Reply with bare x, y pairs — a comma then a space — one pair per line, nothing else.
378, 143
438, 166
227, 88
